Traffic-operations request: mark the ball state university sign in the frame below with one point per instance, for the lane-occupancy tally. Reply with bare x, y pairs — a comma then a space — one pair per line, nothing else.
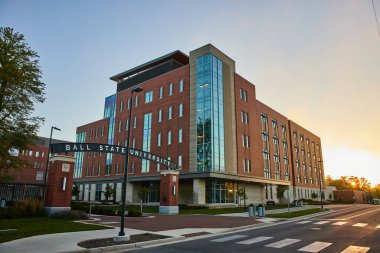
95, 147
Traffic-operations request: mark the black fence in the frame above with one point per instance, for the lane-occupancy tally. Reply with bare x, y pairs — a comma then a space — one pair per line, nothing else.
14, 192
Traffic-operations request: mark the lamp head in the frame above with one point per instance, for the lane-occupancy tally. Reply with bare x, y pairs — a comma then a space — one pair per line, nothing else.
56, 128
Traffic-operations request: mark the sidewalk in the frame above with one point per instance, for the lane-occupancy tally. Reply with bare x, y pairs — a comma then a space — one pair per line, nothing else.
169, 225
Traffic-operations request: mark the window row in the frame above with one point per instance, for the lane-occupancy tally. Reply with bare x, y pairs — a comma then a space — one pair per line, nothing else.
96, 132
148, 96
244, 117
30, 153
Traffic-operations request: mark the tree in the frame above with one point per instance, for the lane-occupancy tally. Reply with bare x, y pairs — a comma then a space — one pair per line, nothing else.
109, 192
314, 195
280, 191
241, 195
142, 194
20, 88
75, 192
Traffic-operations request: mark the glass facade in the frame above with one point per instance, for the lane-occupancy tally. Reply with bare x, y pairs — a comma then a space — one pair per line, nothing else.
109, 112
221, 191
81, 137
210, 117
147, 132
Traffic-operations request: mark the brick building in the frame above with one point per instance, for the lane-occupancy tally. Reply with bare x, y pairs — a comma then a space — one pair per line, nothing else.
36, 157
199, 113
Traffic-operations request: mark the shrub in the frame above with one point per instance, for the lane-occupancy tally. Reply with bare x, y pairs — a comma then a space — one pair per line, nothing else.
80, 206
104, 210
71, 215
25, 209
134, 213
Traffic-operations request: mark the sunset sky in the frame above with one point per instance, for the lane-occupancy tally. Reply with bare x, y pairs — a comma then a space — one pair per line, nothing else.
316, 62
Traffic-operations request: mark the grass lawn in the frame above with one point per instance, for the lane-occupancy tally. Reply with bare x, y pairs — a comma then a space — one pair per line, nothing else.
40, 226
295, 213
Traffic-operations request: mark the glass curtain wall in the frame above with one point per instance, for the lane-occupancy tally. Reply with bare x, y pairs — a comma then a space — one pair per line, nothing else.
80, 138
221, 191
210, 124
109, 112
146, 140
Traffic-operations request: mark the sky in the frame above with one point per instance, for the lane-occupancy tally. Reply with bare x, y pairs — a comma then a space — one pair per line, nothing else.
316, 62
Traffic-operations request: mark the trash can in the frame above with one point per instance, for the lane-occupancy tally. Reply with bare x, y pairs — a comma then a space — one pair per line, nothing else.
251, 210
260, 210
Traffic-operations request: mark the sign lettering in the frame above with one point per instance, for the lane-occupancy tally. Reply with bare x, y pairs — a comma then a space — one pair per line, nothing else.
96, 147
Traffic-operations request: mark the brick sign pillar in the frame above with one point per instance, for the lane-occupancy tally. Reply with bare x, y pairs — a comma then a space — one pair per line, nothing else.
60, 184
169, 192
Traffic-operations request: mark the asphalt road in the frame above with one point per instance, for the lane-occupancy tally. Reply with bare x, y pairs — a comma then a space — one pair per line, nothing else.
349, 229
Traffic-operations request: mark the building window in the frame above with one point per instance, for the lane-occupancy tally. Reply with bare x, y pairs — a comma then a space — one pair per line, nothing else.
266, 165
159, 139
148, 96
126, 124
246, 118
180, 162
169, 137
181, 85
121, 106
170, 89
129, 103
242, 116
247, 142
98, 170
30, 152
37, 153
90, 134
136, 100
180, 135
161, 93
135, 122
160, 115
39, 176
243, 140
243, 95
170, 113
96, 132
119, 126
117, 169
133, 143
180, 110
264, 123
102, 131
146, 140
210, 114
132, 169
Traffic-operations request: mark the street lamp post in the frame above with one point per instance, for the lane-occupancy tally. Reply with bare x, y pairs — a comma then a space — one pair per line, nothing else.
47, 160
124, 191
320, 181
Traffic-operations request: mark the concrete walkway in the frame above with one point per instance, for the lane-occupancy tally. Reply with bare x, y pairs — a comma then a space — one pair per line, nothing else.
65, 242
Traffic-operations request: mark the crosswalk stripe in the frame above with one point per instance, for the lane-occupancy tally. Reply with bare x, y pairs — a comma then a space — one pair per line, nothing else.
255, 240
378, 226
360, 225
340, 223
304, 222
228, 238
321, 222
282, 243
355, 249
315, 247
315, 228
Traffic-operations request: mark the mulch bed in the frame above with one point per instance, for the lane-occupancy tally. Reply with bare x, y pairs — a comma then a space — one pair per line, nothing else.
104, 242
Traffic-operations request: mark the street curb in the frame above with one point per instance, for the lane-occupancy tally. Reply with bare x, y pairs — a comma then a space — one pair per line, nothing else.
125, 246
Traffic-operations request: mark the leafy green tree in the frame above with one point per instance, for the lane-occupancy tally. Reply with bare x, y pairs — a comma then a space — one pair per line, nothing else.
314, 195
20, 88
280, 191
109, 192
